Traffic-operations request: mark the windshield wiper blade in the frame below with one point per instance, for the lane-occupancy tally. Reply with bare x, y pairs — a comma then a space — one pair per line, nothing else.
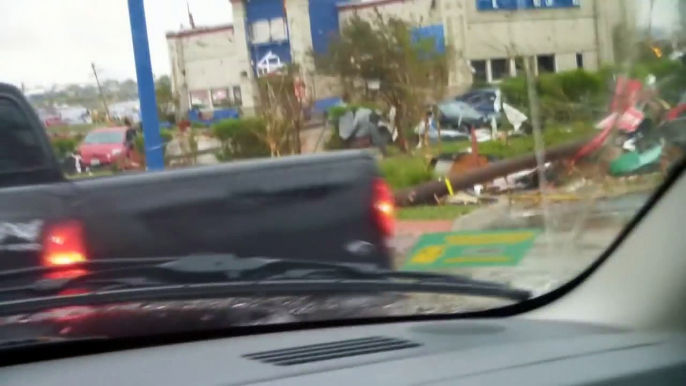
203, 276
39, 341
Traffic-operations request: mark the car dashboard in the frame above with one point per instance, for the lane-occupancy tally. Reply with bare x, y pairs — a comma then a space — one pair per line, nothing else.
462, 352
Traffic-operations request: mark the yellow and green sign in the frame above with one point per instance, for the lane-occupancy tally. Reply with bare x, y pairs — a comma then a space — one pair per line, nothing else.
470, 249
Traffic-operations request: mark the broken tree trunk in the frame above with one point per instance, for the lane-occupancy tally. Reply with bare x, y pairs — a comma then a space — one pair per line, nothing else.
429, 191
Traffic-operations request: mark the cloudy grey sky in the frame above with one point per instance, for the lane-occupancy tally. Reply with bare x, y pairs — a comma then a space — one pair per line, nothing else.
54, 41
665, 14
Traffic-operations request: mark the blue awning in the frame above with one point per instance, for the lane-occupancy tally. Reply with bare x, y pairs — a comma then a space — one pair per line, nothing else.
324, 104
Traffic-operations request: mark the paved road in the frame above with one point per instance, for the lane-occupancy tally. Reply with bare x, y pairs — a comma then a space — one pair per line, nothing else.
577, 234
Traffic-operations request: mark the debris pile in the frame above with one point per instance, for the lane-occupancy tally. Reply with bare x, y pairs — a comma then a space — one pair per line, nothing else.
641, 135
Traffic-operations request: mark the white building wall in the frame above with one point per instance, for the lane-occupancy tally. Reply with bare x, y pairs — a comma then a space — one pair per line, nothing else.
416, 11
298, 19
207, 60
448, 13
560, 32
471, 34
564, 32
243, 62
485, 35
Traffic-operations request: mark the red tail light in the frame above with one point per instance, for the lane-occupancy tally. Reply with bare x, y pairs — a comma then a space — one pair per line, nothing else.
64, 244
383, 207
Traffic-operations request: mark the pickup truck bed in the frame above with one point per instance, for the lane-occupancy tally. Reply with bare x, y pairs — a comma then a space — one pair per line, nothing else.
317, 207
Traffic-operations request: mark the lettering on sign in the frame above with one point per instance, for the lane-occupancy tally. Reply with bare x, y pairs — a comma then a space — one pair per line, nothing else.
428, 255
485, 251
481, 239
447, 250
514, 5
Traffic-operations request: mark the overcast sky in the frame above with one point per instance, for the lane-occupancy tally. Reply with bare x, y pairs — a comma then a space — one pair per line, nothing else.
54, 41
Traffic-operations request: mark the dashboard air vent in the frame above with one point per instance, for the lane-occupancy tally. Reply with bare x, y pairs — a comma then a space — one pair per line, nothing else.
334, 350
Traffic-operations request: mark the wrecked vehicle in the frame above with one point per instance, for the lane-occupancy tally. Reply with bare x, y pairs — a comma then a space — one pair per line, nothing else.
460, 116
643, 133
364, 128
488, 101
456, 120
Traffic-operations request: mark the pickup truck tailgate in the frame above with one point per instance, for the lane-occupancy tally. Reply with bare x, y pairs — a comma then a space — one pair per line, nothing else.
304, 207
24, 212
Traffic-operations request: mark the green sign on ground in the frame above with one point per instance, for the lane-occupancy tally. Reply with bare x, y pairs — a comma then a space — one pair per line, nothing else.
470, 249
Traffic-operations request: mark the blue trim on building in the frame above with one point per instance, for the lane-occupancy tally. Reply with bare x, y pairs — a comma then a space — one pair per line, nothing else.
434, 32
512, 5
323, 23
324, 104
263, 9
256, 10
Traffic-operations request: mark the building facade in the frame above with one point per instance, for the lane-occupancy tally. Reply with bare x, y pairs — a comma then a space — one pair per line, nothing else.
208, 70
486, 37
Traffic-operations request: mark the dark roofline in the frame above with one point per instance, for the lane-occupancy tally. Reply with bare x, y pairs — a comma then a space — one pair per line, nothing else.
366, 4
200, 31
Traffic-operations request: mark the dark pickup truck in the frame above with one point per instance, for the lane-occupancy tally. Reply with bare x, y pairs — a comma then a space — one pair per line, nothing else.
328, 208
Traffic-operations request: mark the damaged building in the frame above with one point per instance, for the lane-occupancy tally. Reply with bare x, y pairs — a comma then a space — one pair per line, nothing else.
218, 65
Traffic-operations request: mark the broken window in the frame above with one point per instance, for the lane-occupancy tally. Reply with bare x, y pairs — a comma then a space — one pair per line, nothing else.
200, 98
519, 66
277, 29
500, 68
580, 61
221, 98
237, 96
479, 70
545, 63
260, 31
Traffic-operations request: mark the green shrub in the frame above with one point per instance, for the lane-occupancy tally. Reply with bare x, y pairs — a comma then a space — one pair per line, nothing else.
564, 96
336, 112
240, 138
63, 146
553, 135
671, 79
139, 142
335, 142
198, 125
403, 171
580, 84
670, 75
514, 91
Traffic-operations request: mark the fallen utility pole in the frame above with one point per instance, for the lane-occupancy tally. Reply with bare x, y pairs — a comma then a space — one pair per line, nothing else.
429, 191
102, 95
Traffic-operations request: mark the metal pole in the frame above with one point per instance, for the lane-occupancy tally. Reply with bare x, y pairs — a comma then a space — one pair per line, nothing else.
102, 95
427, 192
146, 87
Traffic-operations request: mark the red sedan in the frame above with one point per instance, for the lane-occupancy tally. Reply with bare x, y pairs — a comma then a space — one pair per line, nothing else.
107, 146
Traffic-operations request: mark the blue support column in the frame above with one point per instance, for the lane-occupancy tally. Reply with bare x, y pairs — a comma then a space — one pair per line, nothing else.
146, 86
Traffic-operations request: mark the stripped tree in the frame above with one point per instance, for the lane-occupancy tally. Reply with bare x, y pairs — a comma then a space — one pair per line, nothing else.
410, 70
282, 107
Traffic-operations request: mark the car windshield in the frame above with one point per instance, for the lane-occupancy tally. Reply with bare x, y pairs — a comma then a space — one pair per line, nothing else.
104, 137
288, 161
